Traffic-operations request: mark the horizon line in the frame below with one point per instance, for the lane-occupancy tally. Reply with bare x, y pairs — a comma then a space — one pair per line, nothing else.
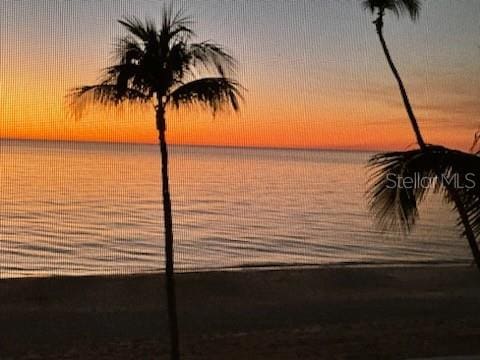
254, 147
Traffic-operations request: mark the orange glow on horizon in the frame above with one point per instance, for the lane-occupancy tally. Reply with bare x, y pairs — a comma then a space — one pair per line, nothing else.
291, 103
35, 108
41, 114
261, 126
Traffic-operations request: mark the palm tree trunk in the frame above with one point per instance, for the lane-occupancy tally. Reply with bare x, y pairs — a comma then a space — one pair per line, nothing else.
416, 129
167, 212
469, 234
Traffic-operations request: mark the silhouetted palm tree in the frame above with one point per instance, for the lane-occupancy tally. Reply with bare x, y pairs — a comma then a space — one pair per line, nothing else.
397, 207
163, 67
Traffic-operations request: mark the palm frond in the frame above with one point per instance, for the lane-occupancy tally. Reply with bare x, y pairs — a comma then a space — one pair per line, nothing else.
173, 20
398, 7
465, 172
471, 200
143, 31
175, 26
215, 93
178, 62
79, 99
129, 78
394, 202
212, 57
128, 49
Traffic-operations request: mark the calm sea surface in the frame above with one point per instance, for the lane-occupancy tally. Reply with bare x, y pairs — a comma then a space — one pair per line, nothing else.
73, 209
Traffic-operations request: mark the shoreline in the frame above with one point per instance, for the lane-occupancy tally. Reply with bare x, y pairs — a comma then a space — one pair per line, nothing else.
262, 267
320, 313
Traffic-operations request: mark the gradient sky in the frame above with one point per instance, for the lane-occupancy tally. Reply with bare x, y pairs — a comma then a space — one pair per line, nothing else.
315, 73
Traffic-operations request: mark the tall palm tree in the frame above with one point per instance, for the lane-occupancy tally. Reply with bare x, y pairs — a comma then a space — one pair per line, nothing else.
394, 206
164, 68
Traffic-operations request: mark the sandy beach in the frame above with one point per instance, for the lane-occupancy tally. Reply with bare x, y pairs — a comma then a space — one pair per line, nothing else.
323, 313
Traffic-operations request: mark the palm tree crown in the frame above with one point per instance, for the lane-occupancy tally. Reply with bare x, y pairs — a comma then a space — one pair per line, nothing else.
165, 66
396, 206
398, 7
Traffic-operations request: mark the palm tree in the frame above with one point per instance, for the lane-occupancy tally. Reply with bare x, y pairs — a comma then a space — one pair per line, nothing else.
164, 68
395, 207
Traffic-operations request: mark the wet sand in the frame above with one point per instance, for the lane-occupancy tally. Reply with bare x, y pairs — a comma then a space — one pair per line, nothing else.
323, 313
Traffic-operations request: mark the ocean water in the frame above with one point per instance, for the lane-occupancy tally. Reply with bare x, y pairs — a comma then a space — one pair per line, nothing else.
77, 209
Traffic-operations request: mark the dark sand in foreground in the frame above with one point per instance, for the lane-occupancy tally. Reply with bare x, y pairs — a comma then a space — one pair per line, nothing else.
328, 313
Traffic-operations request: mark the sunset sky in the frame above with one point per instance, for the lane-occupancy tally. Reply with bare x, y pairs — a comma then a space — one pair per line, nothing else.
314, 70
